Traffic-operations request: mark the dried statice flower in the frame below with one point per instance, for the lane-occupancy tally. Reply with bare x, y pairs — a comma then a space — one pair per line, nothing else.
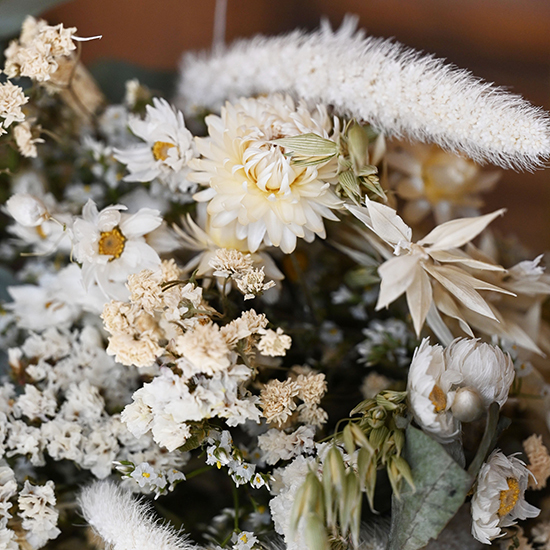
274, 343
25, 140
539, 461
230, 262
429, 100
277, 400
251, 283
12, 98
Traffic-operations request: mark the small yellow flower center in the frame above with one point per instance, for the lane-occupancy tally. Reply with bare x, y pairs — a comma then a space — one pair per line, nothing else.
244, 538
160, 149
111, 243
438, 398
146, 474
509, 497
40, 232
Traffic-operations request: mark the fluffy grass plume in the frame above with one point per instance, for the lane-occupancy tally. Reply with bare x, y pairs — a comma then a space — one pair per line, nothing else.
400, 91
125, 522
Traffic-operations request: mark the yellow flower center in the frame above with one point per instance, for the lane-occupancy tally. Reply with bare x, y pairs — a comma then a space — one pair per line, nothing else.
40, 232
111, 243
146, 474
438, 398
244, 538
509, 497
160, 149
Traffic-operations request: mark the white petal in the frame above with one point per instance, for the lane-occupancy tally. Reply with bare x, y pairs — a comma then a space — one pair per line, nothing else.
397, 275
457, 233
387, 224
419, 299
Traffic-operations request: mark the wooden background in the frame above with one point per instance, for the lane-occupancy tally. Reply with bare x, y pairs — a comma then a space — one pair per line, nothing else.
503, 41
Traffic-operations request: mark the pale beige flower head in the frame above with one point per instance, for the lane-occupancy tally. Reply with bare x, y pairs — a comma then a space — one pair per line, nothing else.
252, 185
25, 140
432, 180
277, 400
12, 98
274, 343
229, 262
539, 461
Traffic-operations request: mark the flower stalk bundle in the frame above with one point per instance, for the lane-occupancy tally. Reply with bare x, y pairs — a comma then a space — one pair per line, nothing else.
290, 329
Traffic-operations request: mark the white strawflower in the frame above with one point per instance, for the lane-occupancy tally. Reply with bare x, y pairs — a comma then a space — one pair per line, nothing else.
483, 368
398, 90
167, 150
111, 245
429, 392
27, 210
124, 522
253, 185
498, 500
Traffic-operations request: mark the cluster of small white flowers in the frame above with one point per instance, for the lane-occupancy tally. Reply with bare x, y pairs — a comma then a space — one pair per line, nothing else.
8, 489
25, 139
12, 98
150, 479
456, 384
391, 335
34, 54
278, 399
222, 452
274, 343
278, 445
38, 512
240, 268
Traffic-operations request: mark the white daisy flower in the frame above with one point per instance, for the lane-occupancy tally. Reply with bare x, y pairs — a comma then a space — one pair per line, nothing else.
111, 245
429, 390
167, 149
498, 500
253, 185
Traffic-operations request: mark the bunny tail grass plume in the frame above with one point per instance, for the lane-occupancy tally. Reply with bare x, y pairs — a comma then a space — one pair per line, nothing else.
125, 522
396, 89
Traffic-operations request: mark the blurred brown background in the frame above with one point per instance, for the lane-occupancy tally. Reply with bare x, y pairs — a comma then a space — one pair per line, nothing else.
503, 41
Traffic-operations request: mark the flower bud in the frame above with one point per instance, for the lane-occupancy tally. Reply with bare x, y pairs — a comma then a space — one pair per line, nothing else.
27, 210
467, 405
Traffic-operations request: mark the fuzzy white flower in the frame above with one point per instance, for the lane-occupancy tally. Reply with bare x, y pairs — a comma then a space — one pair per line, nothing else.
111, 245
125, 523
167, 150
251, 182
428, 387
498, 500
27, 209
416, 267
398, 90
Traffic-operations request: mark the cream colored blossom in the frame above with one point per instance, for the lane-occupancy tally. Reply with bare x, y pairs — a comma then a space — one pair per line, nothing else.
498, 499
205, 348
228, 262
274, 343
252, 186
436, 260
25, 141
12, 98
27, 210
312, 387
311, 414
170, 270
277, 400
539, 461
431, 180
145, 289
119, 316
247, 324
251, 283
140, 352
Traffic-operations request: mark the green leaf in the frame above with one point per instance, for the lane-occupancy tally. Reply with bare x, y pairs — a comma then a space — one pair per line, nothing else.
441, 487
13, 13
111, 76
308, 145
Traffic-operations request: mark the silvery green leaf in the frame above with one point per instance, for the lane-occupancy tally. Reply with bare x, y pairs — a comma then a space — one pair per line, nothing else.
367, 171
310, 161
315, 533
349, 183
309, 145
13, 13
358, 146
441, 487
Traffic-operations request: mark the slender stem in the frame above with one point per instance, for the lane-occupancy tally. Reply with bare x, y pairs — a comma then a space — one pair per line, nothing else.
236, 507
198, 472
220, 21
